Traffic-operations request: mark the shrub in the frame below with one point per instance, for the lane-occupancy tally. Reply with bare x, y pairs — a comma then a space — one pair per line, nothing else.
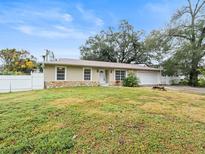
131, 81
184, 82
175, 82
12, 73
201, 82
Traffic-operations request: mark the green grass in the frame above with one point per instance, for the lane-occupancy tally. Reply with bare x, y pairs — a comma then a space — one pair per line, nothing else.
102, 120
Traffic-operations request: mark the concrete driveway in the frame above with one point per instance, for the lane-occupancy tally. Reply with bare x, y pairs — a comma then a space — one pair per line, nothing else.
187, 89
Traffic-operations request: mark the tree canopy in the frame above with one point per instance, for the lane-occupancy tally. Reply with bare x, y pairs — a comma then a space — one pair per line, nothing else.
124, 45
181, 44
187, 33
17, 60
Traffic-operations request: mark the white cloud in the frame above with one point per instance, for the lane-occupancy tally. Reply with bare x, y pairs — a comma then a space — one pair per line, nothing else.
52, 14
90, 16
67, 17
63, 28
17, 15
25, 29
53, 22
54, 32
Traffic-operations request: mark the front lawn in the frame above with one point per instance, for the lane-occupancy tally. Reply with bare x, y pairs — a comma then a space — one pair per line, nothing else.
102, 120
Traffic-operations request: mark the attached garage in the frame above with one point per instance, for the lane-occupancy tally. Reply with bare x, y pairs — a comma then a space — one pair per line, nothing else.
148, 77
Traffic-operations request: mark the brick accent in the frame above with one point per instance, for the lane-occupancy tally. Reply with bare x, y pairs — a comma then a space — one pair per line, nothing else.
115, 83
58, 84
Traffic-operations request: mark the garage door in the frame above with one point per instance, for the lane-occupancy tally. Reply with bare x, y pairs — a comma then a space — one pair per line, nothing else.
148, 77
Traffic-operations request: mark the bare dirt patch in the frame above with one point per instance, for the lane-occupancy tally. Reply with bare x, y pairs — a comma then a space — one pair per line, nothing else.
50, 126
156, 108
67, 101
195, 113
190, 112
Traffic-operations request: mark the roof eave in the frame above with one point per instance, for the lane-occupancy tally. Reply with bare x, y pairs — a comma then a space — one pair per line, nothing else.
115, 67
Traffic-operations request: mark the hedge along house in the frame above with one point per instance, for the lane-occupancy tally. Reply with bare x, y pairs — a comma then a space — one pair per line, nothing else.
70, 72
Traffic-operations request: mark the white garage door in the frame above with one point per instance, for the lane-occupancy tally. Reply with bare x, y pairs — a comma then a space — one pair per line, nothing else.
148, 77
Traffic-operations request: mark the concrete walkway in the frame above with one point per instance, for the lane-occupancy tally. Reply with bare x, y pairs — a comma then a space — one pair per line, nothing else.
187, 89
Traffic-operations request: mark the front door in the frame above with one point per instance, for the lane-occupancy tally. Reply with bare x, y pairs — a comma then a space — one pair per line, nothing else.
102, 77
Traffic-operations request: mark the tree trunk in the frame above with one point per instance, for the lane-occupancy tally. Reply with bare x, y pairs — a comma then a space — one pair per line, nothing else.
193, 78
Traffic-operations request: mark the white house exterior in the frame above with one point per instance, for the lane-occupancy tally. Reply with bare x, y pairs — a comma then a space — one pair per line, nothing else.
70, 72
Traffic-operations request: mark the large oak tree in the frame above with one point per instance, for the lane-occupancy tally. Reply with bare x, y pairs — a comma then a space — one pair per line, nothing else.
182, 42
124, 45
187, 33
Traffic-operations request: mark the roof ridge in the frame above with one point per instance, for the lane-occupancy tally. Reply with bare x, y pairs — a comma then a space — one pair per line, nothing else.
67, 59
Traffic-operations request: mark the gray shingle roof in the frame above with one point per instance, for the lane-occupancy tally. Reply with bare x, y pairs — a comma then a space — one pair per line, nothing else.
100, 64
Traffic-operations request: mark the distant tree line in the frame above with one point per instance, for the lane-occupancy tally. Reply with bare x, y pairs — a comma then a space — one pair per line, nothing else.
179, 47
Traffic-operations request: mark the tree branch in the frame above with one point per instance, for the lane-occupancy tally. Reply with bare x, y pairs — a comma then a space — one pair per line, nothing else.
196, 7
190, 7
180, 36
199, 8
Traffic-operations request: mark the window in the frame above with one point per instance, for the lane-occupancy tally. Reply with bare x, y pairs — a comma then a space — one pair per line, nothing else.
87, 74
120, 75
60, 73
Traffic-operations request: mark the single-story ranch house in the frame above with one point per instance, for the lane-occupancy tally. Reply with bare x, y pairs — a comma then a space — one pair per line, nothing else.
70, 72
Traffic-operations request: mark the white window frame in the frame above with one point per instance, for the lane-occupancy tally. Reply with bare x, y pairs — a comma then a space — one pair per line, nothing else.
56, 73
119, 70
91, 72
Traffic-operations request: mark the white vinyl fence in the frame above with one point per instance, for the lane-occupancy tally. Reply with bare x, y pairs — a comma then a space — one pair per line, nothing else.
12, 83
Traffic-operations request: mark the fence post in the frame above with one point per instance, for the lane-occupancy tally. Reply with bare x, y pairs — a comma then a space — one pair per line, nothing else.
167, 80
31, 80
10, 85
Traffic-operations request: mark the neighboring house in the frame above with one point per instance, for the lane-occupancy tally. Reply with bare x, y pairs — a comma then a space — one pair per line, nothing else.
70, 72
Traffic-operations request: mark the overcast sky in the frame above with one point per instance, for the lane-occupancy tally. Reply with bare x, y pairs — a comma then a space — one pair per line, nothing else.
63, 25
